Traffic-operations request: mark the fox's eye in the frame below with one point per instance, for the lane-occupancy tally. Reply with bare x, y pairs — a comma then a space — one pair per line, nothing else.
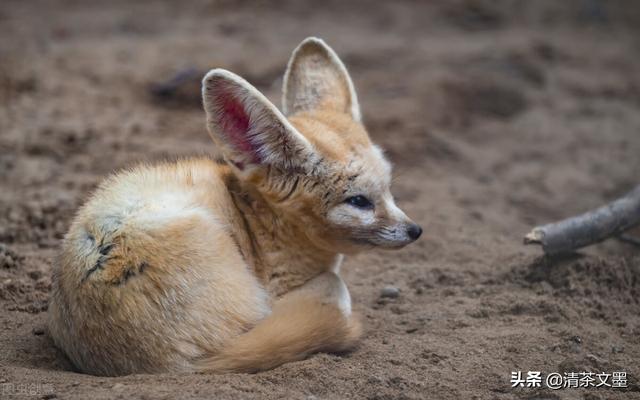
360, 202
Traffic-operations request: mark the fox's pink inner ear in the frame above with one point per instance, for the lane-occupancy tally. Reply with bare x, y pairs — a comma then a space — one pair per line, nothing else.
235, 124
246, 127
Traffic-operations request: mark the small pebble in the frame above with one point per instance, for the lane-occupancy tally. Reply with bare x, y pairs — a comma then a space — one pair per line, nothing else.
390, 292
35, 275
37, 331
617, 349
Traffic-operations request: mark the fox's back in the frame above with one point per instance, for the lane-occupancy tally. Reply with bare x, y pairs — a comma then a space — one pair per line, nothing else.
153, 254
158, 190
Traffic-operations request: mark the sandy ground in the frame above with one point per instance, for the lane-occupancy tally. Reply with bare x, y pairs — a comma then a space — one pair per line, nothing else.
498, 115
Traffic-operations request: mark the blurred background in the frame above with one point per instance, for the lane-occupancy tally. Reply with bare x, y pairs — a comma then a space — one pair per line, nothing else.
498, 115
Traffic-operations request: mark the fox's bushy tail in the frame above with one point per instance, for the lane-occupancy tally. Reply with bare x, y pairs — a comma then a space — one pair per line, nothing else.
293, 331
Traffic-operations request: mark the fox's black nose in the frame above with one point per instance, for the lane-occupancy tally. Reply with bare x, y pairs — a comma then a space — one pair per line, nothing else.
414, 231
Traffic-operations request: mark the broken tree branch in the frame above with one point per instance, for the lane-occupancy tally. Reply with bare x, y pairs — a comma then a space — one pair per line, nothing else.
591, 227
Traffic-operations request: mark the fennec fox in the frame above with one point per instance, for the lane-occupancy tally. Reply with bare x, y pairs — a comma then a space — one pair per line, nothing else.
232, 266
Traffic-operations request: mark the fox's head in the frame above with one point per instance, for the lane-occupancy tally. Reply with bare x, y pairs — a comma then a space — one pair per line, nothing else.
314, 162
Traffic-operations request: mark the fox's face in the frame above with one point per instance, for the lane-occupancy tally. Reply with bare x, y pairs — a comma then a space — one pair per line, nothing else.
318, 168
346, 202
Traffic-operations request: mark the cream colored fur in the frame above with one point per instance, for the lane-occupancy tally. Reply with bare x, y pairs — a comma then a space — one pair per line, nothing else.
231, 266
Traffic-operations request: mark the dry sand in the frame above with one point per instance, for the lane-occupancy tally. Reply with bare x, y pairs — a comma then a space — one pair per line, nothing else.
498, 115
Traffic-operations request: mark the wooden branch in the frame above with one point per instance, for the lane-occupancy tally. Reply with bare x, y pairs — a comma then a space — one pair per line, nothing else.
589, 228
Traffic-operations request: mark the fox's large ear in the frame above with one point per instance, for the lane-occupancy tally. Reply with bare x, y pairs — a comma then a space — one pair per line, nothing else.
317, 79
247, 127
